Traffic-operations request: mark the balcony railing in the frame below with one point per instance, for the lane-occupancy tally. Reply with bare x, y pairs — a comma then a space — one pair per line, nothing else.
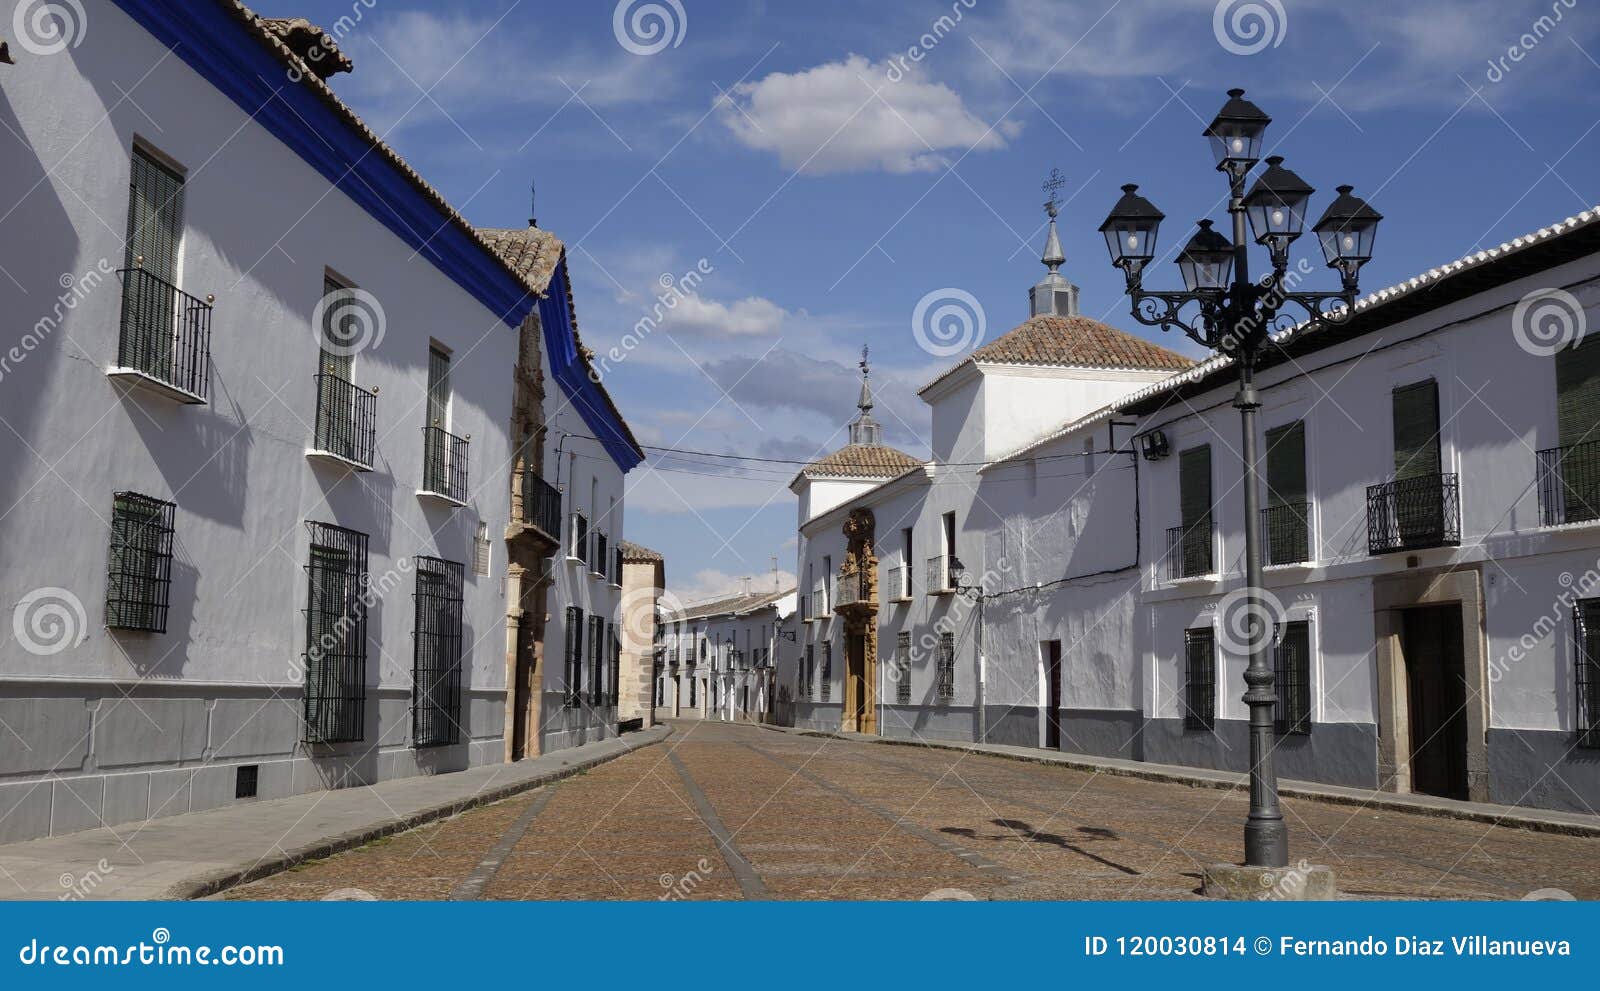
444, 464
944, 574
541, 505
597, 564
165, 335
347, 421
819, 600
895, 583
852, 590
1413, 513
1569, 484
1189, 550
1287, 531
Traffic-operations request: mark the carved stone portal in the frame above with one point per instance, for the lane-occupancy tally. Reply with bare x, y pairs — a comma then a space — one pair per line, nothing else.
859, 607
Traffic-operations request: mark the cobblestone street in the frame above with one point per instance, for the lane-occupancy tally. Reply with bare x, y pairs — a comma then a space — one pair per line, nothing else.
728, 812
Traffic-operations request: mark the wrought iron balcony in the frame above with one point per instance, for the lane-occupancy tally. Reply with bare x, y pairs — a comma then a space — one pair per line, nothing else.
819, 601
1189, 551
895, 583
1414, 513
164, 341
805, 609
444, 465
852, 591
597, 564
347, 422
944, 574
541, 506
1569, 484
1287, 532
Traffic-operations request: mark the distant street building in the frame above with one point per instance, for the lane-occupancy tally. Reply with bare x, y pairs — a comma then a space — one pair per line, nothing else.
644, 578
1065, 573
719, 657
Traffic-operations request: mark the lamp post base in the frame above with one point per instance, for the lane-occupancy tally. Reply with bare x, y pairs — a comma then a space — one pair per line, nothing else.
1301, 883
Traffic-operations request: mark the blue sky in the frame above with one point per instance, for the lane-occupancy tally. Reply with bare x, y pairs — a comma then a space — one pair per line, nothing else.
828, 165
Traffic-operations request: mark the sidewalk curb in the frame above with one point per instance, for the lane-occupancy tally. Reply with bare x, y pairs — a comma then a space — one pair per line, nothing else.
1507, 816
215, 882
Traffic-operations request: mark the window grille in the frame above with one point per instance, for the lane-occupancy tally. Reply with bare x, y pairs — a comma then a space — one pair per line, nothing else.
1586, 617
139, 574
336, 635
482, 552
902, 652
827, 671
808, 672
616, 666
597, 646
574, 648
1200, 679
1292, 663
580, 538
947, 667
436, 671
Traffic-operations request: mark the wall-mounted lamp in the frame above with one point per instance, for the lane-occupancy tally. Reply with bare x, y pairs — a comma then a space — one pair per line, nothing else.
1154, 445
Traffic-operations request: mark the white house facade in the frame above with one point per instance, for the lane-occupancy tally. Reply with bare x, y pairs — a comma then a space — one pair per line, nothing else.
260, 439
1429, 508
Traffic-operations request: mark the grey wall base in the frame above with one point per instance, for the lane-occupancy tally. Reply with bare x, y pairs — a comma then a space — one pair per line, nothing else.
1542, 769
97, 757
825, 717
562, 727
1333, 753
1103, 733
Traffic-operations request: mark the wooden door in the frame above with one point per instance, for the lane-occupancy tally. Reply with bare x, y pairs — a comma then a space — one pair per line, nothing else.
1436, 682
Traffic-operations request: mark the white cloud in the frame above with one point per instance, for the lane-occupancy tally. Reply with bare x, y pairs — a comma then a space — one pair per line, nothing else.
827, 119
753, 316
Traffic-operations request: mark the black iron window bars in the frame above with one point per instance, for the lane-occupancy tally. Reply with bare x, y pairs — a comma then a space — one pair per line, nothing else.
436, 660
165, 333
827, 671
902, 657
541, 504
1586, 674
336, 635
1292, 663
139, 570
574, 657
1200, 679
1287, 529
1569, 484
947, 668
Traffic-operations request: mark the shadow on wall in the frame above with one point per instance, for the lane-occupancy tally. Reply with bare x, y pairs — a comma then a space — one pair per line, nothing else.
52, 253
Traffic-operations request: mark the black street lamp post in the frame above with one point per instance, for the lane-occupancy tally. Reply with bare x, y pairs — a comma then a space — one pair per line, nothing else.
1234, 315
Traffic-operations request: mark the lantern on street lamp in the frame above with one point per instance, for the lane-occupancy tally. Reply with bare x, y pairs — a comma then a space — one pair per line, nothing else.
1235, 135
1276, 206
1207, 260
1130, 232
1347, 230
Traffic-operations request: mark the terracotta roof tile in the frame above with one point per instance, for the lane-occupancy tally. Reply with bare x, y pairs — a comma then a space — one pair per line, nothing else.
1080, 342
531, 252
638, 552
862, 461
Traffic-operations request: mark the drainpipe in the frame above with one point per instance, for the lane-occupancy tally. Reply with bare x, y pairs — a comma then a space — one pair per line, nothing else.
983, 712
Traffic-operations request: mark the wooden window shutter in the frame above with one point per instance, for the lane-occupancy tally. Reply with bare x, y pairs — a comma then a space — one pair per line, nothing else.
1578, 394
1416, 430
1286, 465
1194, 484
155, 209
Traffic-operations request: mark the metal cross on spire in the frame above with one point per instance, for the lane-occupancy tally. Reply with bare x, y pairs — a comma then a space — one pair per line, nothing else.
533, 203
865, 351
1052, 186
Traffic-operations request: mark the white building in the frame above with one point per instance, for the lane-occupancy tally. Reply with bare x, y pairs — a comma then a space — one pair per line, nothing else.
261, 445
1434, 562
718, 657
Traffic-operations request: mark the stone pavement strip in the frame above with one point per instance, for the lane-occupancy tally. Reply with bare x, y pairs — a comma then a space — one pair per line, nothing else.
1509, 816
729, 812
194, 855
